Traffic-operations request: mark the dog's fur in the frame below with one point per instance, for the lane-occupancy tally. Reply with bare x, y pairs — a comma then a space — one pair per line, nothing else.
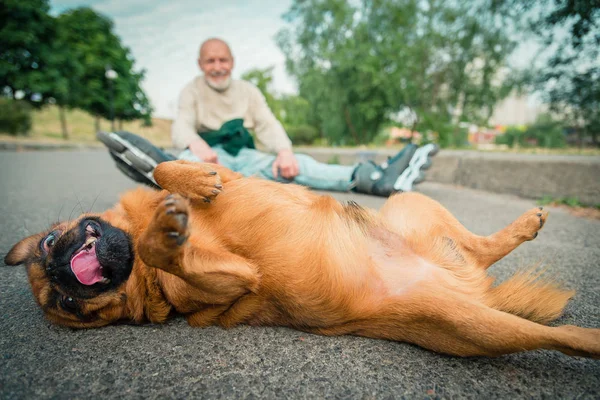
263, 253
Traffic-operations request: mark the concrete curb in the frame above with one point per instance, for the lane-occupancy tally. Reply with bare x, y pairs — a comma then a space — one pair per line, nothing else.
31, 146
526, 175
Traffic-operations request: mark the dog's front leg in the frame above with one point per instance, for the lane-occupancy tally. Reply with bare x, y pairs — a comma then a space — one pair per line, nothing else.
220, 276
193, 180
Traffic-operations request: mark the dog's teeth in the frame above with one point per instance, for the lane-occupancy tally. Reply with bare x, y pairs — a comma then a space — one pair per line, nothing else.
90, 240
105, 280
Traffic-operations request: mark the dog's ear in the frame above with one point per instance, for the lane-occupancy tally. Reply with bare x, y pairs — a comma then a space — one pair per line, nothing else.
22, 251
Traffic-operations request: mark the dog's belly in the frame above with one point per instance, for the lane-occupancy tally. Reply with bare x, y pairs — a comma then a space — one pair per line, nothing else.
403, 271
351, 287
354, 275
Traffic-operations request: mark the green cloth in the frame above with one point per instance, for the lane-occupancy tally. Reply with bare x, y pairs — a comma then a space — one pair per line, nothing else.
232, 136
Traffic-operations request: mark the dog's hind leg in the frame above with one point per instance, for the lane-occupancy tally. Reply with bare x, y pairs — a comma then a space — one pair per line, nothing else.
410, 213
193, 180
448, 324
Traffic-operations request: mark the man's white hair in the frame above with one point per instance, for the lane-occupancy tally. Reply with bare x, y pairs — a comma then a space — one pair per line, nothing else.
214, 40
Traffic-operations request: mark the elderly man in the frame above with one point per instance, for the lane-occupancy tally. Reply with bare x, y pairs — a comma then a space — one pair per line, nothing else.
214, 116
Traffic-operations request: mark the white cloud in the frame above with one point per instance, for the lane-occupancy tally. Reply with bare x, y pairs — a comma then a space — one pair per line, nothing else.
164, 38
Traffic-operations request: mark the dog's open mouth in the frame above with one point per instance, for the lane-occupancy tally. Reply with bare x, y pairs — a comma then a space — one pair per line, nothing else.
84, 262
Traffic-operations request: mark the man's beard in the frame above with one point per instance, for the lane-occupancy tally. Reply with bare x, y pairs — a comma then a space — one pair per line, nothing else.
219, 86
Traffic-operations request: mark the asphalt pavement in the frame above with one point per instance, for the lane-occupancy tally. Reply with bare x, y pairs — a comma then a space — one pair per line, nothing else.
39, 360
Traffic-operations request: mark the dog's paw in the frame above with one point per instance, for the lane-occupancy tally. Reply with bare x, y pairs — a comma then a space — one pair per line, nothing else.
207, 185
172, 219
193, 180
583, 342
531, 222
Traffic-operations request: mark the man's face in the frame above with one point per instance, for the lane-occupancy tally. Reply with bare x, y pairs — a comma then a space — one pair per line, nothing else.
216, 62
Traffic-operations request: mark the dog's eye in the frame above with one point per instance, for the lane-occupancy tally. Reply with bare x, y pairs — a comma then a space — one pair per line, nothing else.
49, 241
68, 304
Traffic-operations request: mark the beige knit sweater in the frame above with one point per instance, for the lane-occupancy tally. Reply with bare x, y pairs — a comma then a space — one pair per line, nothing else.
203, 109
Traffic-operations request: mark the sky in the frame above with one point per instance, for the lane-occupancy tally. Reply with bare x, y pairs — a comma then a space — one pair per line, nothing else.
164, 37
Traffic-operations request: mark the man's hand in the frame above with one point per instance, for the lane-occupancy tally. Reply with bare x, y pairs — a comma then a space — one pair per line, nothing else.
287, 164
203, 151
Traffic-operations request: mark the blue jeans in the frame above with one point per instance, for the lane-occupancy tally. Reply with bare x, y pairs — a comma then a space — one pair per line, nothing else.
250, 162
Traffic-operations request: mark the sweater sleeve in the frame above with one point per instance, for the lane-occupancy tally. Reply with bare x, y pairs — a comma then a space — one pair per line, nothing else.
268, 129
183, 130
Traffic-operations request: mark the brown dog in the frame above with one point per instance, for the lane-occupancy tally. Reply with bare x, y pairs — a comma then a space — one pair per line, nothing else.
265, 253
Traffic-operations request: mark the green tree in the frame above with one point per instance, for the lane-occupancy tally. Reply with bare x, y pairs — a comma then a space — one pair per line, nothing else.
26, 34
263, 79
359, 62
295, 110
64, 73
568, 70
291, 110
296, 117
571, 78
63, 60
94, 48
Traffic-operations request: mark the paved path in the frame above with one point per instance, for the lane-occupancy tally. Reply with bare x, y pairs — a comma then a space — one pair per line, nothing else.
39, 360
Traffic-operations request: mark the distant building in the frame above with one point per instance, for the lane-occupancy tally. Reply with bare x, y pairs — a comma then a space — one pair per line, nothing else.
516, 110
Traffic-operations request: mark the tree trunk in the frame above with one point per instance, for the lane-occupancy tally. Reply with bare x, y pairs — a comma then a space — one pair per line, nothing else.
120, 125
437, 83
350, 125
97, 124
63, 122
413, 126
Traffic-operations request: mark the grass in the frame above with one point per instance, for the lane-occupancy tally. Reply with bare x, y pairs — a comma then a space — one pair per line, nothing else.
81, 128
335, 159
573, 205
567, 201
545, 151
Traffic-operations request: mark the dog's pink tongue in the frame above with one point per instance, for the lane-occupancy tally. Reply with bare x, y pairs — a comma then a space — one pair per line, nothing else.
86, 267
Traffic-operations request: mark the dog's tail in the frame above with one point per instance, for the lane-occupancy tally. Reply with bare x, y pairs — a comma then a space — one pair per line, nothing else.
528, 295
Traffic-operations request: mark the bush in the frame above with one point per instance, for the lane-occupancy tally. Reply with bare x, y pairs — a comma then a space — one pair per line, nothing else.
544, 132
513, 136
15, 117
448, 134
453, 136
302, 134
547, 132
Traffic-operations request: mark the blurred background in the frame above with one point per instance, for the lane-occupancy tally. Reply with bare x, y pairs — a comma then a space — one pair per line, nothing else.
503, 75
